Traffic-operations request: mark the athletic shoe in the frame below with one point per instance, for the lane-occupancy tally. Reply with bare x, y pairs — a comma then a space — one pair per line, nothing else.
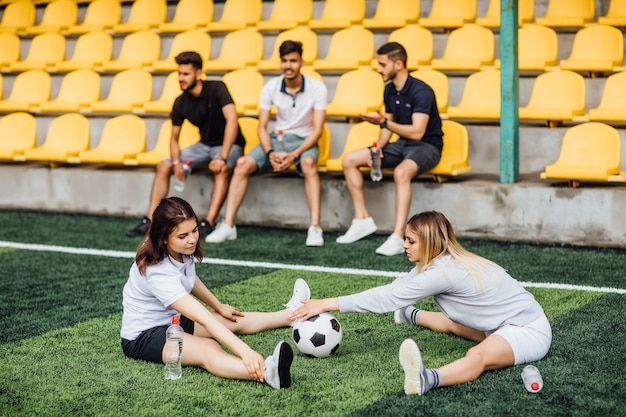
392, 246
301, 292
405, 315
141, 229
221, 233
413, 365
359, 229
278, 366
314, 236
205, 228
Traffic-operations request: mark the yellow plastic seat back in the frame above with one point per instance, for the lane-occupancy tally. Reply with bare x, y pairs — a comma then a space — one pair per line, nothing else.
45, 51
9, 49
418, 43
78, 90
615, 15
17, 15
67, 136
556, 96
589, 152
612, 105
188, 135
245, 87
597, 48
470, 47
339, 14
449, 14
29, 89
130, 89
171, 90
58, 15
360, 135
348, 49
538, 48
287, 14
100, 15
239, 49
525, 10
144, 15
438, 81
302, 34
357, 91
139, 49
455, 153
123, 137
481, 97
250, 130
237, 14
18, 132
391, 14
91, 51
568, 13
191, 40
189, 14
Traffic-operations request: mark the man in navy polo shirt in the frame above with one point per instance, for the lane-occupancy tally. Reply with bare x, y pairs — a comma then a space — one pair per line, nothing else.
301, 102
411, 113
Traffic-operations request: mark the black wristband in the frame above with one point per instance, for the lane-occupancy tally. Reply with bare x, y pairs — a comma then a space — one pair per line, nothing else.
267, 154
383, 125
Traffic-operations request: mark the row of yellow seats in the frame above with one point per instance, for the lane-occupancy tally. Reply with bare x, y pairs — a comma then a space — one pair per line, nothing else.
123, 142
286, 14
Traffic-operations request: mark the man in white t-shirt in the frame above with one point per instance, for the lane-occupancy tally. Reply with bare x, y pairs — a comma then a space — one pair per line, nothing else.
301, 102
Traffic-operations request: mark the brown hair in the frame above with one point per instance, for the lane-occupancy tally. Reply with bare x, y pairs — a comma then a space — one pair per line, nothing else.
189, 57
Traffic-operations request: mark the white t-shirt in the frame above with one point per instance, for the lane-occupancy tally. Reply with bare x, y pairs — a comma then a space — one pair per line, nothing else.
295, 113
147, 298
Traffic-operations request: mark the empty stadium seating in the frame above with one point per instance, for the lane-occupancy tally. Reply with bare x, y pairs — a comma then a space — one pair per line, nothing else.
526, 13
139, 50
392, 14
417, 41
45, 51
481, 97
130, 90
615, 15
67, 136
9, 50
236, 15
470, 47
568, 13
18, 132
91, 51
29, 89
245, 87
240, 49
189, 15
597, 48
58, 15
144, 15
171, 90
78, 90
17, 16
358, 91
287, 14
100, 15
348, 49
339, 14
450, 14
612, 107
191, 40
537, 48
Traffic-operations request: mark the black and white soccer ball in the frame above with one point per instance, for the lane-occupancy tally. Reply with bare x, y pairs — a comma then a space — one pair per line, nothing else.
319, 336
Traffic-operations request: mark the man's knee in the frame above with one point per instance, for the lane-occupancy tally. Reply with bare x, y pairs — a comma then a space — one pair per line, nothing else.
163, 168
354, 159
245, 166
308, 165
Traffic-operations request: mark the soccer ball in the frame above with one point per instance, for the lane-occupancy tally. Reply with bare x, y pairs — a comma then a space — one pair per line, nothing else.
319, 336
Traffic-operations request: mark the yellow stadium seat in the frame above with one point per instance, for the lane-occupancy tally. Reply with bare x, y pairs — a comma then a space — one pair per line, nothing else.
612, 107
568, 13
189, 15
311, 73
360, 135
537, 48
123, 137
171, 90
525, 11
130, 90
57, 16
339, 14
392, 14
245, 87
91, 51
323, 150
192, 40
615, 15
469, 48
144, 15
189, 134
438, 81
240, 49
67, 136
589, 152
78, 90
9, 49
449, 14
481, 97
556, 96
250, 130
17, 16
455, 154
358, 91
287, 14
45, 51
597, 48
302, 34
18, 132
237, 14
100, 15
29, 89
348, 49
139, 50
1, 85
418, 43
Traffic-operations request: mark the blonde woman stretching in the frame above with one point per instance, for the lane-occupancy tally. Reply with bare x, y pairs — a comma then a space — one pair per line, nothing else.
478, 300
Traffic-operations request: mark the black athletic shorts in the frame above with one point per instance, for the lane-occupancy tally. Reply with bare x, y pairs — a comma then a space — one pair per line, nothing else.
425, 155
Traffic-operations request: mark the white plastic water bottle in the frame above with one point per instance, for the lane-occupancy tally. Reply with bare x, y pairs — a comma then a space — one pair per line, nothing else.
174, 350
376, 173
532, 379
282, 146
178, 184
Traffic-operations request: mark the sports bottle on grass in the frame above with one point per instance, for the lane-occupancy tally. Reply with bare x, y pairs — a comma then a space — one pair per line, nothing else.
174, 350
178, 184
532, 379
376, 173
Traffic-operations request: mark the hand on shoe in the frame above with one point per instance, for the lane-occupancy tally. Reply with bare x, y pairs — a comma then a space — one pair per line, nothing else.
255, 364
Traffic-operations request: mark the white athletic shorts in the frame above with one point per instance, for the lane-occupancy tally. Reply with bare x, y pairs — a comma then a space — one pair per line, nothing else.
530, 342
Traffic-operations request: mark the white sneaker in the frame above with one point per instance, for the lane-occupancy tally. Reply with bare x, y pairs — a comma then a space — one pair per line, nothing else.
392, 246
358, 230
301, 292
413, 365
221, 233
278, 366
315, 236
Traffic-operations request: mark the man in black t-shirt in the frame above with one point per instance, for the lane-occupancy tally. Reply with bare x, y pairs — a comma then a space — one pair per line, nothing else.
209, 106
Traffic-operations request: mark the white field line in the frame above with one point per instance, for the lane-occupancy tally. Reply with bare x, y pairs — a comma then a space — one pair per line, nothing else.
275, 265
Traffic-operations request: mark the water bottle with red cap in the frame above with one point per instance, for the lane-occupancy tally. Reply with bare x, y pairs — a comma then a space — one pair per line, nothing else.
532, 379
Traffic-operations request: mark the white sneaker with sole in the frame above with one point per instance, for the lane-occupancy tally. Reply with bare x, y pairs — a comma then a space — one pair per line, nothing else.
315, 236
278, 366
222, 233
301, 292
413, 365
392, 246
359, 229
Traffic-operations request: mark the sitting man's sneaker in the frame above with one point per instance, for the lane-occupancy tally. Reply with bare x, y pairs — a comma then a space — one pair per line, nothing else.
392, 246
301, 292
416, 379
222, 233
278, 366
315, 236
205, 228
359, 229
141, 229
406, 315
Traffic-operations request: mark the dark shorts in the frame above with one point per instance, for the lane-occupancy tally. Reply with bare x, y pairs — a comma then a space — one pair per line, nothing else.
201, 155
149, 344
425, 155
